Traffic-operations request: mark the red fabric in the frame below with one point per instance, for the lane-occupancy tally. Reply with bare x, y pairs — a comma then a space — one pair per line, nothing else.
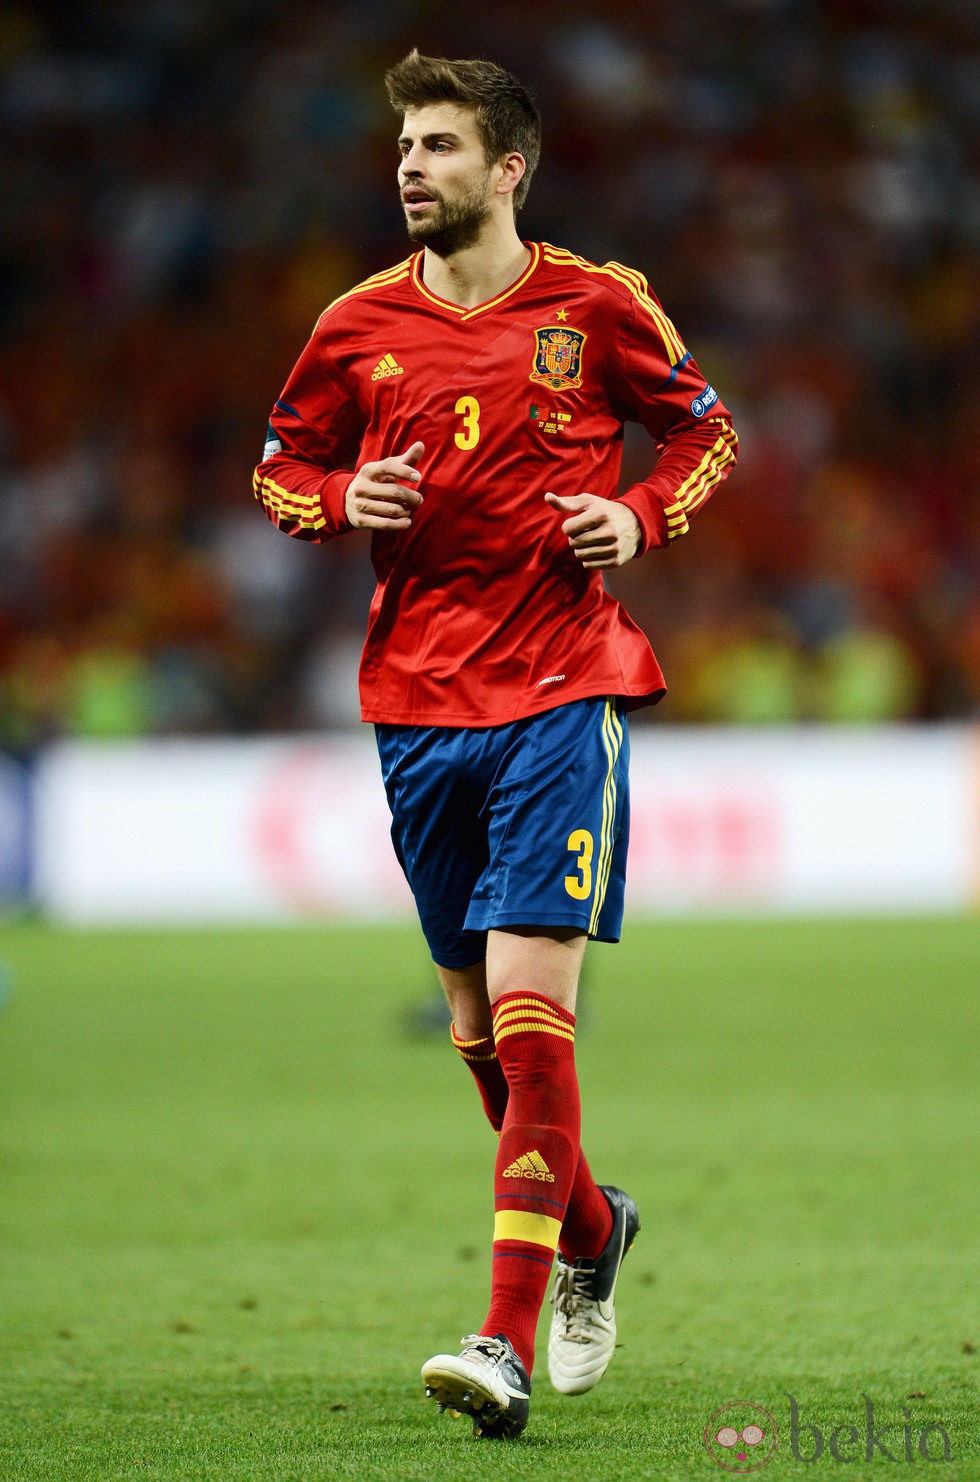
588, 1221
481, 614
481, 1057
588, 1218
536, 1160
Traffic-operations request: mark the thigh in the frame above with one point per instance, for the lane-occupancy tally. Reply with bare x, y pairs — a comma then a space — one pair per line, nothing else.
559, 825
438, 834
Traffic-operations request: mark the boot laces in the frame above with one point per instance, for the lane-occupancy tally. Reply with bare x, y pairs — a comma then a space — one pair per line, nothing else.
574, 1301
490, 1351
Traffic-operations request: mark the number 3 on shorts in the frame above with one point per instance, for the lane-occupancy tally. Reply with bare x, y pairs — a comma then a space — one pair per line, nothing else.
580, 843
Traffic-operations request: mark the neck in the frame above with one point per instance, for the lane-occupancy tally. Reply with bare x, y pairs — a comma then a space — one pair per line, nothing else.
477, 274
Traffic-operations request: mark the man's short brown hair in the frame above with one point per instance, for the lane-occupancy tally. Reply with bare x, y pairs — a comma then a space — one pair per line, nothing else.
506, 118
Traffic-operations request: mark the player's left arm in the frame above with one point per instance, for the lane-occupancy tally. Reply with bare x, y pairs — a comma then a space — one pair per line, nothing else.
655, 380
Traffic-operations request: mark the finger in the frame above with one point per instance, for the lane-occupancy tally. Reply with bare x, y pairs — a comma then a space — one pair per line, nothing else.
569, 504
388, 509
594, 538
386, 492
379, 508
376, 520
587, 547
399, 465
584, 523
392, 472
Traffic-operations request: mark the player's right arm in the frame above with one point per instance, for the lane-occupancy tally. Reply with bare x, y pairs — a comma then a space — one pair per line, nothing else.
377, 499
305, 481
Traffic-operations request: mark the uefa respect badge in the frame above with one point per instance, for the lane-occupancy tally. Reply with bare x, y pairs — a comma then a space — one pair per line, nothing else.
741, 1436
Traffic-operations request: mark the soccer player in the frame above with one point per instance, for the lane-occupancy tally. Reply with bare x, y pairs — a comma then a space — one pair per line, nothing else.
479, 390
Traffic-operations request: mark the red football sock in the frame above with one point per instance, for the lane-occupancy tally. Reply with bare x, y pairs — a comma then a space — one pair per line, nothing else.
588, 1219
481, 1057
536, 1160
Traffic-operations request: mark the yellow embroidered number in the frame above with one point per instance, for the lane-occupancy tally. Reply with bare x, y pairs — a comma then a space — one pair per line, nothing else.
580, 886
469, 434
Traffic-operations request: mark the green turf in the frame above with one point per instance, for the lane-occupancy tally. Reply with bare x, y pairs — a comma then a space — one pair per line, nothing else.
240, 1203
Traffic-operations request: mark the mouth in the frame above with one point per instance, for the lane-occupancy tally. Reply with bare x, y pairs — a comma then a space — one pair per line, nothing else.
415, 201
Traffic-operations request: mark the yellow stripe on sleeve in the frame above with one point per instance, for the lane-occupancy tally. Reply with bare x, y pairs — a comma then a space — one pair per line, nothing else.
284, 505
699, 484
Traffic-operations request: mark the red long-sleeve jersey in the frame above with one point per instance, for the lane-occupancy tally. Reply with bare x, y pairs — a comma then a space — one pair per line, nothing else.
482, 614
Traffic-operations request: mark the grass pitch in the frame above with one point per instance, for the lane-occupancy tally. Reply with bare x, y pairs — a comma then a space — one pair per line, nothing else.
240, 1203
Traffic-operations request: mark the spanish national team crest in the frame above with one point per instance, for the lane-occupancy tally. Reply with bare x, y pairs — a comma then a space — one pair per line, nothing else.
558, 357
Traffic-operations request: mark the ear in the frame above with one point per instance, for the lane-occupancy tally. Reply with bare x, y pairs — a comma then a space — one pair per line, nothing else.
511, 167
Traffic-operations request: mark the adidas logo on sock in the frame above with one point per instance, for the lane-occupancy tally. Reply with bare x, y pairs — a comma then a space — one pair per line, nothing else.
530, 1165
387, 366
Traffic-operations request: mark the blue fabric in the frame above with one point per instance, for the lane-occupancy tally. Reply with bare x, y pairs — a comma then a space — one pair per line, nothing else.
524, 824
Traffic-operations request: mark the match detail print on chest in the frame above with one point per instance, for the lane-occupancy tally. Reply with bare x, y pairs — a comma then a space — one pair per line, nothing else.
530, 367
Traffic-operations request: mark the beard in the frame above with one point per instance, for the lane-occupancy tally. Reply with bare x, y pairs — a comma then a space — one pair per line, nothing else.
452, 225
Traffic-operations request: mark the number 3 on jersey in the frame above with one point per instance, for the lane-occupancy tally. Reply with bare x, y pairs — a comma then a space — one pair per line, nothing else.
469, 434
580, 843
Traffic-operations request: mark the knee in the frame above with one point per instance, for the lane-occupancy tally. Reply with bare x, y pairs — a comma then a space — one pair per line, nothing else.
535, 960
466, 994
472, 1021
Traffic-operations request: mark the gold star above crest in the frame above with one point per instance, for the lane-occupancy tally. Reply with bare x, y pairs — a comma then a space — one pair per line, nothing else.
562, 315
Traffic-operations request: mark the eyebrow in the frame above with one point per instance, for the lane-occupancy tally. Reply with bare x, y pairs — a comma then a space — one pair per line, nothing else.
429, 139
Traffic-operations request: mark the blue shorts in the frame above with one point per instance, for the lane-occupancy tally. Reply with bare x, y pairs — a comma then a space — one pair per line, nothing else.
524, 824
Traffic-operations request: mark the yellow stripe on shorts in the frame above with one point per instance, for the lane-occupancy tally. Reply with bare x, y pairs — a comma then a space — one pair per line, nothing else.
612, 740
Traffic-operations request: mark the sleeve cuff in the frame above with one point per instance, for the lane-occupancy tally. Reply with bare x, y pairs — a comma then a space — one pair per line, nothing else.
650, 513
333, 496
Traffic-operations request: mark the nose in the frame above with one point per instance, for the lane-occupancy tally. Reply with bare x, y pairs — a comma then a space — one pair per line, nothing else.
410, 167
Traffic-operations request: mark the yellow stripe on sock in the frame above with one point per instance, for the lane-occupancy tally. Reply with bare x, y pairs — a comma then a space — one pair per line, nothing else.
539, 1015
519, 1224
469, 1044
530, 1015
473, 1050
528, 1026
538, 1006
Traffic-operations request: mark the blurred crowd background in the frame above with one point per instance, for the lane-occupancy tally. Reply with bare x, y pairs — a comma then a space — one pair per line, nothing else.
187, 184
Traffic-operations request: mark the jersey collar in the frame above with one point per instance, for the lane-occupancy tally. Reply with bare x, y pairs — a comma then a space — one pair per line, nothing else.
457, 310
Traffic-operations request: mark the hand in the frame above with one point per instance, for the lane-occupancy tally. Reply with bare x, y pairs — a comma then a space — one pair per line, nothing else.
601, 532
377, 500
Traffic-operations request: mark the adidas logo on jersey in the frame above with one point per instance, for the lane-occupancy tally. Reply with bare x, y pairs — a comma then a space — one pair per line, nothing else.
530, 1165
387, 366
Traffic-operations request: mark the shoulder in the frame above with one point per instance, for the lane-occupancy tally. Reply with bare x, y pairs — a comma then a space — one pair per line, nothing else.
611, 279
380, 287
631, 303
